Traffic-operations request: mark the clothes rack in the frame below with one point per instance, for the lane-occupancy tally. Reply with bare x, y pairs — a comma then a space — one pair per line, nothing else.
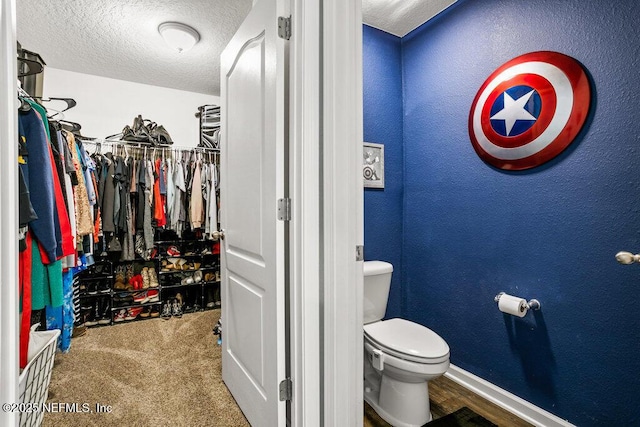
141, 145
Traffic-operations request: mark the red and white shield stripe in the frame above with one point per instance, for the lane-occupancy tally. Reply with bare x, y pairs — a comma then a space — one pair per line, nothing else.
565, 95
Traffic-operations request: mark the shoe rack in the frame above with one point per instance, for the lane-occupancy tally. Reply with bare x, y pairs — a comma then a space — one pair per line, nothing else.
182, 276
95, 294
189, 275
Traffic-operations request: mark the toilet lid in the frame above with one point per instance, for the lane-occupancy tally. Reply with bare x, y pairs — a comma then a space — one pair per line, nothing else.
408, 340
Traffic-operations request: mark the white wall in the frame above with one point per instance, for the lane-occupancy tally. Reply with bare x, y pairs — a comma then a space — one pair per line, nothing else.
106, 105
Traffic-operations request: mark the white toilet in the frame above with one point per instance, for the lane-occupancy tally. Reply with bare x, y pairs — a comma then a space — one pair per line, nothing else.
400, 356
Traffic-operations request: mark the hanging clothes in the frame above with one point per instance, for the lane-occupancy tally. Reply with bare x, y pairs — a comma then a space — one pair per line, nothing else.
38, 172
158, 199
24, 277
177, 215
170, 190
69, 170
62, 317
148, 208
84, 224
196, 207
128, 248
108, 194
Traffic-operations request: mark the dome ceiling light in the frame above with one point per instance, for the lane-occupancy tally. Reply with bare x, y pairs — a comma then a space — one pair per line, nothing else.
178, 36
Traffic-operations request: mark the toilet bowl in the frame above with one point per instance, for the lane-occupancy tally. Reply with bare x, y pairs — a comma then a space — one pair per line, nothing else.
400, 356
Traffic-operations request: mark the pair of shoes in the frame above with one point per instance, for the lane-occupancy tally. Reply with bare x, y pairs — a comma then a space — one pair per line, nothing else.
173, 251
186, 281
140, 297
121, 279
103, 287
166, 310
128, 272
135, 283
120, 316
132, 313
154, 311
208, 277
146, 296
153, 277
197, 276
173, 264
176, 308
100, 313
122, 299
146, 280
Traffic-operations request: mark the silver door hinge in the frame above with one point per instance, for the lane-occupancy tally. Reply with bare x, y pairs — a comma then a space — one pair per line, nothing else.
359, 253
284, 209
284, 27
286, 389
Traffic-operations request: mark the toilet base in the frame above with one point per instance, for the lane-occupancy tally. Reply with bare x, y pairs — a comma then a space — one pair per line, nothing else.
392, 399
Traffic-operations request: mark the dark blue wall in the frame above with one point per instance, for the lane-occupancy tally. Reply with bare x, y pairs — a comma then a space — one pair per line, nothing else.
382, 69
470, 230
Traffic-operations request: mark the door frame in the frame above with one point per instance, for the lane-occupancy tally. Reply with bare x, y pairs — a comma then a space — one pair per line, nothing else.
9, 309
327, 214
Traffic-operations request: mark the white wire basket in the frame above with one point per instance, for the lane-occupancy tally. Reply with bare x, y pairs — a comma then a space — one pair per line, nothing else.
35, 377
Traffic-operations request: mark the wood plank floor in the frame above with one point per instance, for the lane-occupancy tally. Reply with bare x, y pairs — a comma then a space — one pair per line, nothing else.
446, 397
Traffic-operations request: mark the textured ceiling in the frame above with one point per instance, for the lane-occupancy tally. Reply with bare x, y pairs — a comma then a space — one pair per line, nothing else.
119, 38
399, 17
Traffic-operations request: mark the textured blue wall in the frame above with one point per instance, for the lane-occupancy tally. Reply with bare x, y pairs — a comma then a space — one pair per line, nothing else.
467, 231
383, 125
471, 231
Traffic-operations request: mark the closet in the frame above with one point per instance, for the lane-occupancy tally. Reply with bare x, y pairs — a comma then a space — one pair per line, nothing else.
112, 230
174, 269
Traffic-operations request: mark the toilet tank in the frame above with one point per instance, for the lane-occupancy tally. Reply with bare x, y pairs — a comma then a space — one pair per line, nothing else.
377, 281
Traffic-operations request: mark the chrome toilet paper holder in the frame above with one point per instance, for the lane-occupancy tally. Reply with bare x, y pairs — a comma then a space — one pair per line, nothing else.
532, 304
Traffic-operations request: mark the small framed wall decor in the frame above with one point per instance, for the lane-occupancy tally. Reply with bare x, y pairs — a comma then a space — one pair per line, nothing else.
373, 165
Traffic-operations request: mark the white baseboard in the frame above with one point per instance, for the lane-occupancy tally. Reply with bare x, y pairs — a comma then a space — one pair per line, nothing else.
508, 401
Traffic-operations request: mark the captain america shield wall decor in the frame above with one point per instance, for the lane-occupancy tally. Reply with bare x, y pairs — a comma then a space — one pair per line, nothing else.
529, 110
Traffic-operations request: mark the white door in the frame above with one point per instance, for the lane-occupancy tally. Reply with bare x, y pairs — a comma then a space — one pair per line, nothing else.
252, 181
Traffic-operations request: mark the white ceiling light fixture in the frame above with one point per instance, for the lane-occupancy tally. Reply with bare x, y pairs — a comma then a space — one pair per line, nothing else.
178, 36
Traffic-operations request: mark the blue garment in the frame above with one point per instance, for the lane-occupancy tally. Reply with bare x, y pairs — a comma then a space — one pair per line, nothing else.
89, 168
62, 317
39, 176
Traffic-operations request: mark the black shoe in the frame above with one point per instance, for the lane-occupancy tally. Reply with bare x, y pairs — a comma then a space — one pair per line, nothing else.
92, 289
93, 315
105, 314
103, 287
176, 308
166, 310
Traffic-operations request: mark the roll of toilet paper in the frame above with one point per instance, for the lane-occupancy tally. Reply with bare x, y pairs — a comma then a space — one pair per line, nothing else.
512, 305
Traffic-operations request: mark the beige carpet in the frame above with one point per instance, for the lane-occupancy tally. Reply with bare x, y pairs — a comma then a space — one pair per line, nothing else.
153, 373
